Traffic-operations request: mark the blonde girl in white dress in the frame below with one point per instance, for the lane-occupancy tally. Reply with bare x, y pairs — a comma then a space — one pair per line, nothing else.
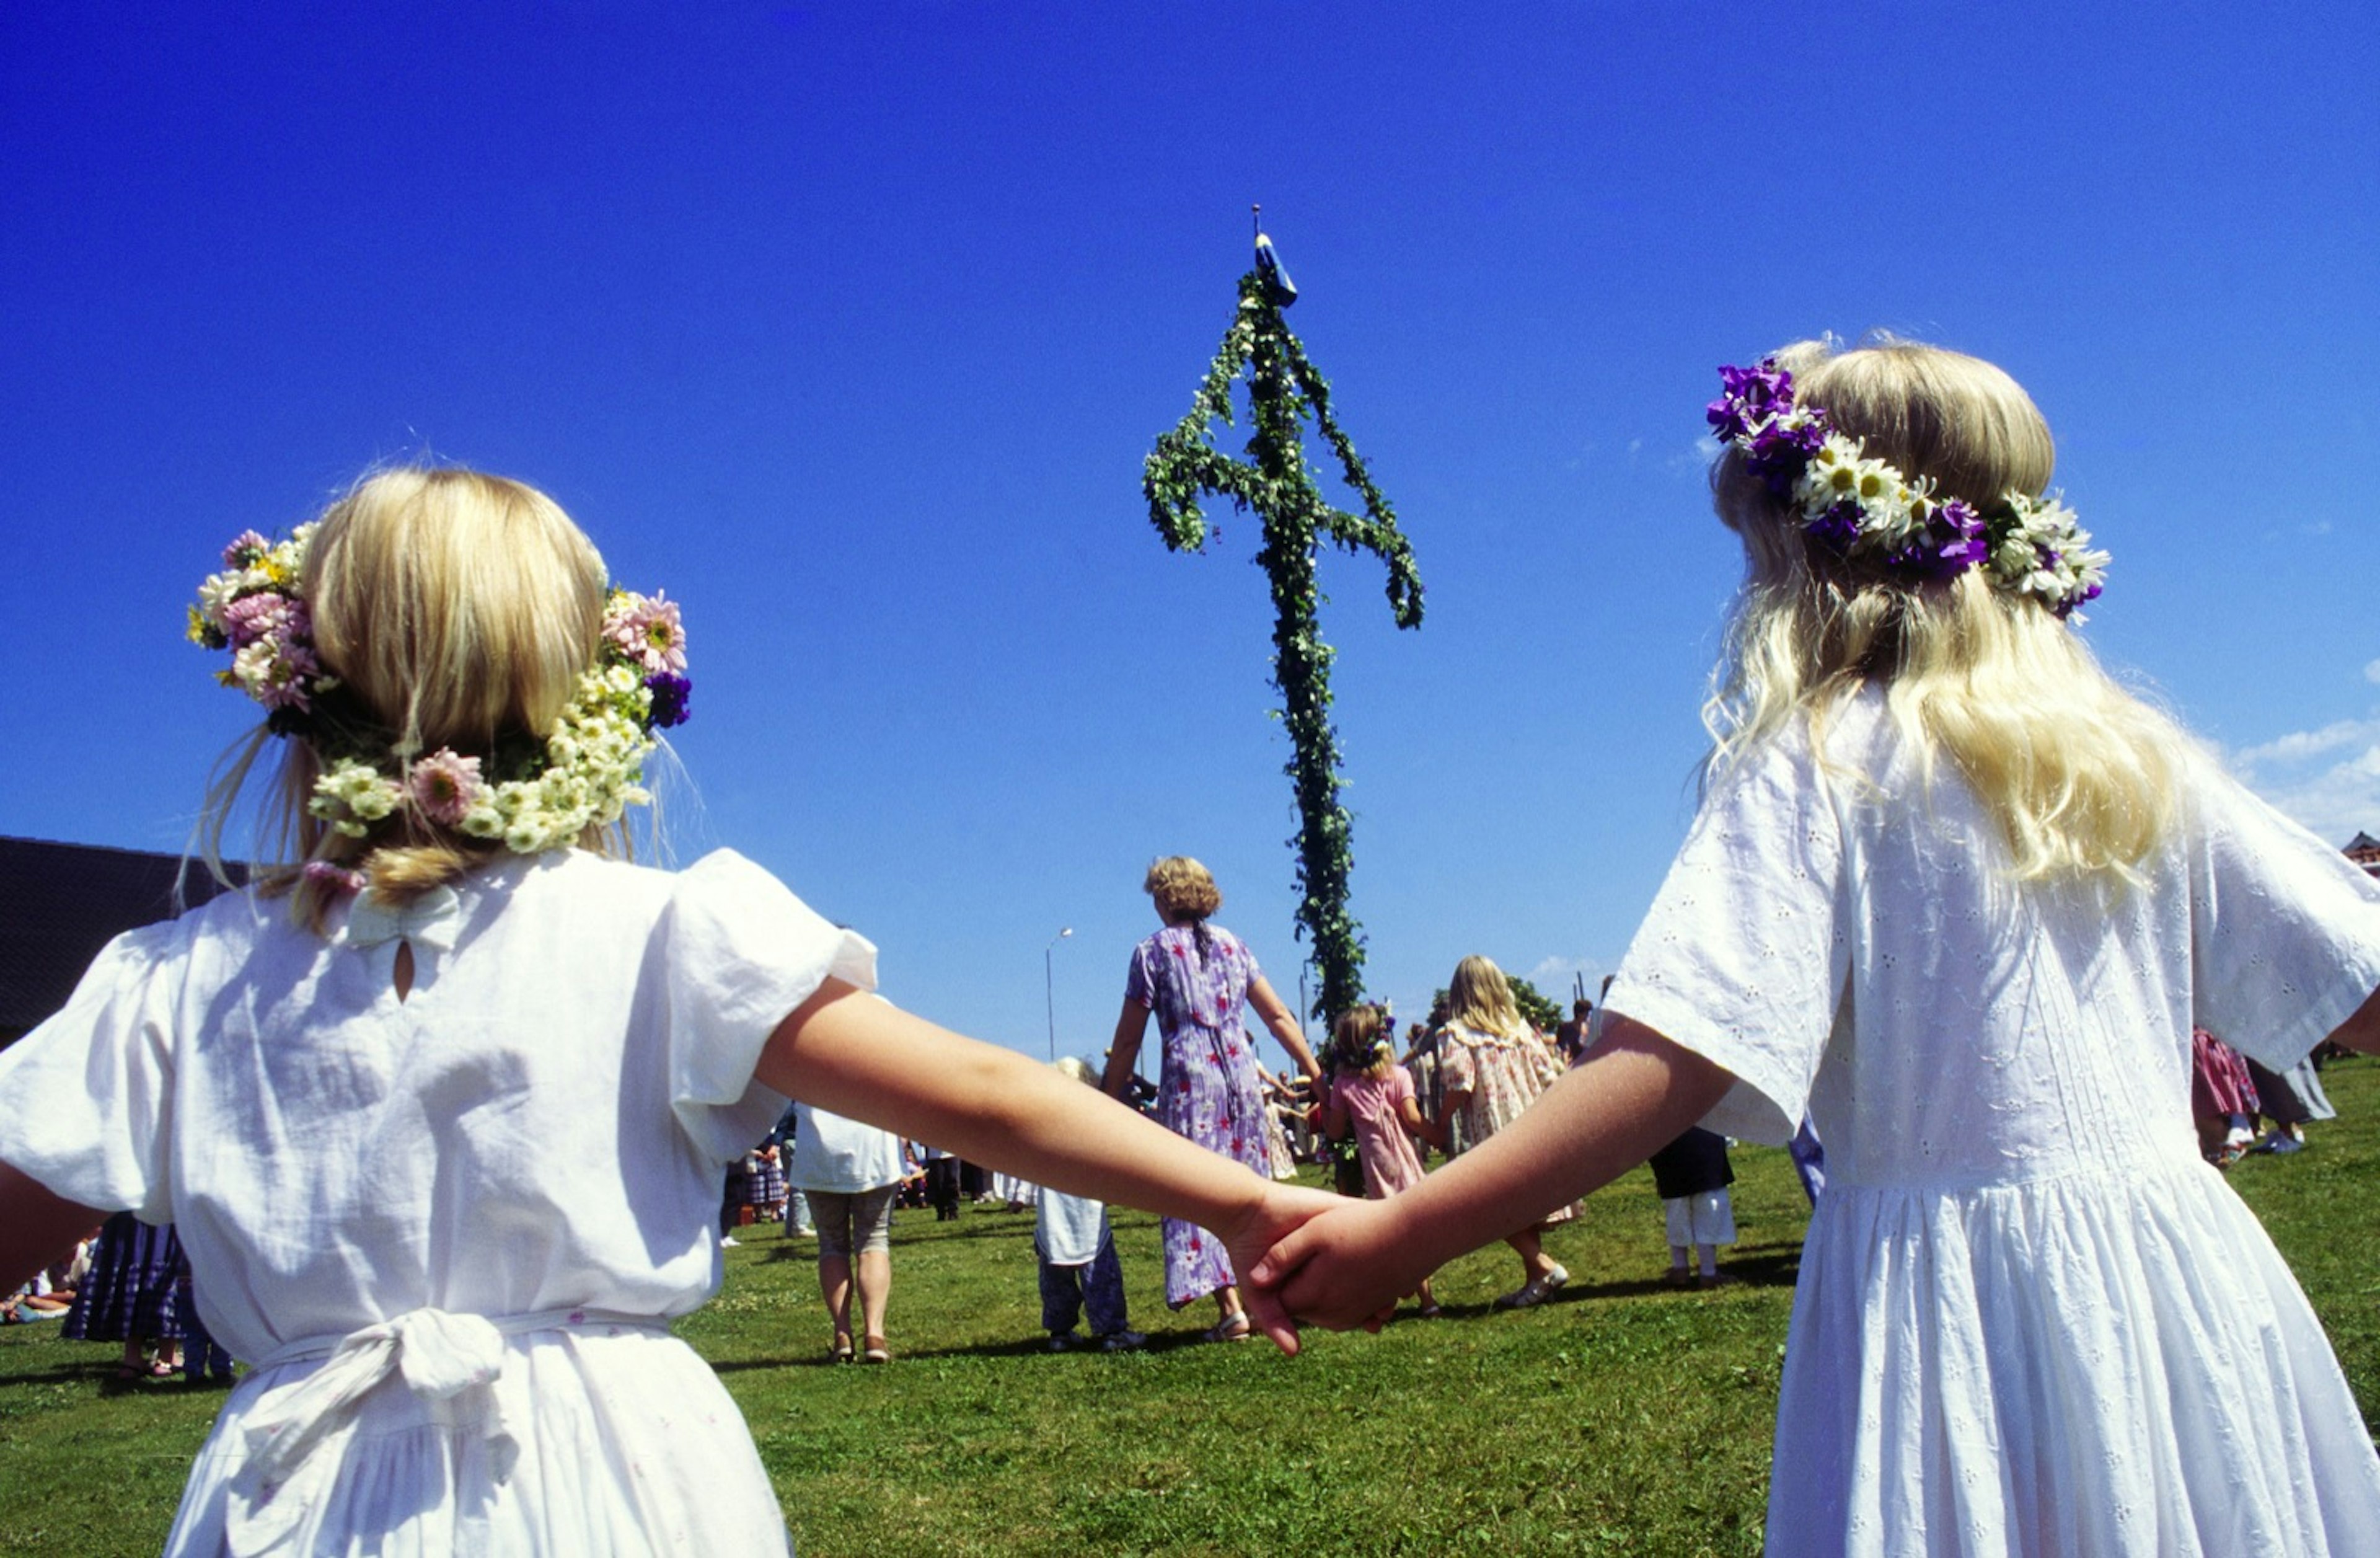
1961, 898
443, 1112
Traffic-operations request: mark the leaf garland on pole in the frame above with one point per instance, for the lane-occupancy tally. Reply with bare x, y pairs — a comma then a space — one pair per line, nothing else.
1276, 483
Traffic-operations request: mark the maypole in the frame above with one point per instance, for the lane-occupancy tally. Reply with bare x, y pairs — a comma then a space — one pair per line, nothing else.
1276, 483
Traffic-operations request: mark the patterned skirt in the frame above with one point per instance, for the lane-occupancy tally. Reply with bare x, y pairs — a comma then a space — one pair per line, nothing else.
1210, 1093
130, 1289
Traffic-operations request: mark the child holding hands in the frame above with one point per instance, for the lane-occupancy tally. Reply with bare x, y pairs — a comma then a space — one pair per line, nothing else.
442, 1110
1964, 898
1373, 1093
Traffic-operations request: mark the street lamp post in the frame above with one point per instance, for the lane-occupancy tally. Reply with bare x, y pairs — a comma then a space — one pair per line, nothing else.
1050, 987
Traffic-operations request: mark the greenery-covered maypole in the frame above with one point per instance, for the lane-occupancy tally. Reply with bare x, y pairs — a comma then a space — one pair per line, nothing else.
1275, 482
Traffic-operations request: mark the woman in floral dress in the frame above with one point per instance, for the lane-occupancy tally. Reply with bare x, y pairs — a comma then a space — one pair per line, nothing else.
1196, 977
1492, 1064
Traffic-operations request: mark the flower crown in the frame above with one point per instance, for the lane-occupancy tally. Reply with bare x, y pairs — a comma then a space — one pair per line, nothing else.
532, 794
1865, 510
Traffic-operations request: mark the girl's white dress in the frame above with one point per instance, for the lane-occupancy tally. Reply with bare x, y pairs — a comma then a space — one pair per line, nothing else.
449, 1230
2030, 1318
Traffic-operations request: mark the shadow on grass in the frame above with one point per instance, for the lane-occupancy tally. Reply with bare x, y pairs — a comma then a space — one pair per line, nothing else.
1779, 1268
1035, 1346
807, 1249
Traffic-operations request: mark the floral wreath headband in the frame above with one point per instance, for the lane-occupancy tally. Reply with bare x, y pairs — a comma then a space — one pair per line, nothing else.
531, 794
1865, 510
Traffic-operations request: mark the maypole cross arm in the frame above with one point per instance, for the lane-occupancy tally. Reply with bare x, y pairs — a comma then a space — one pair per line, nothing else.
1275, 482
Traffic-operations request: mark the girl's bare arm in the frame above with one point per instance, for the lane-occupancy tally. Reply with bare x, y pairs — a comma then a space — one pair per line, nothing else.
1409, 1117
2361, 1031
858, 1056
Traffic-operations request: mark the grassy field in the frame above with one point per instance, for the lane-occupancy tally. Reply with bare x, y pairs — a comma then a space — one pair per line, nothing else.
1623, 1417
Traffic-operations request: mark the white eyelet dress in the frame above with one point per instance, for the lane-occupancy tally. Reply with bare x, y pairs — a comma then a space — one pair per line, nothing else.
2030, 1318
449, 1231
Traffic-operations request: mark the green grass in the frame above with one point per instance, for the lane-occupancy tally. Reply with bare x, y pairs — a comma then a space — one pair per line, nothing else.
1623, 1417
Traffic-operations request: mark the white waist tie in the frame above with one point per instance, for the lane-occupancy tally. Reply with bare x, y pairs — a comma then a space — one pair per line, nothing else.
296, 1435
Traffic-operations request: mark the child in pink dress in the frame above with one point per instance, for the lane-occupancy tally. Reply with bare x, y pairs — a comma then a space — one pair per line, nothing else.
1371, 1089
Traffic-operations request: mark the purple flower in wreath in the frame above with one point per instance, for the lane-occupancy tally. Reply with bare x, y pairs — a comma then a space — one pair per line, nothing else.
1836, 527
1749, 397
672, 698
1951, 543
2065, 607
1779, 451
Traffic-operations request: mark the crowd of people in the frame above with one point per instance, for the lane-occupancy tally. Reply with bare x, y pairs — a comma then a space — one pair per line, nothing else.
439, 1110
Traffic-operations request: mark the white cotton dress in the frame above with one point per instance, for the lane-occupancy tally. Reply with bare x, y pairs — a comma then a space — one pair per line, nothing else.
2030, 1318
450, 1230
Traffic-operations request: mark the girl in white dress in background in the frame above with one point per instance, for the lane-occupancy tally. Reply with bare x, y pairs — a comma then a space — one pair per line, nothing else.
1961, 898
443, 1110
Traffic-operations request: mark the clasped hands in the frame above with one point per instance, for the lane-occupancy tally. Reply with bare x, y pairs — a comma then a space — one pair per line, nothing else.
1314, 1259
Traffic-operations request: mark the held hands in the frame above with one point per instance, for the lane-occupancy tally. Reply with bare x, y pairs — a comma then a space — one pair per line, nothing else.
1277, 1211
1346, 1267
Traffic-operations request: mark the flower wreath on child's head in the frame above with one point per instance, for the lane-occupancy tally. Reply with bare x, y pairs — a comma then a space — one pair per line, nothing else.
1865, 510
530, 795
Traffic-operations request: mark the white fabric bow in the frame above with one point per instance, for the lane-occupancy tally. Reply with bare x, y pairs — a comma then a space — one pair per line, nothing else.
431, 921
296, 1435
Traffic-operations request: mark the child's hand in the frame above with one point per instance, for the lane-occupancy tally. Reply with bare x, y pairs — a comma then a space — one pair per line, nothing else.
1279, 1212
1346, 1268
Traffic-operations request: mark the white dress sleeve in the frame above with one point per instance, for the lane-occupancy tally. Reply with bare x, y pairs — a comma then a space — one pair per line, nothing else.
86, 1098
743, 953
2285, 929
1745, 954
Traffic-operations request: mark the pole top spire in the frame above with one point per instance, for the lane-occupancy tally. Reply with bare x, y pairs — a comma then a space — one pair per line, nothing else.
1283, 290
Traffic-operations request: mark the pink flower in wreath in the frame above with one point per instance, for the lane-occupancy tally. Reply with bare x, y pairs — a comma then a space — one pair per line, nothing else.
444, 785
649, 631
267, 615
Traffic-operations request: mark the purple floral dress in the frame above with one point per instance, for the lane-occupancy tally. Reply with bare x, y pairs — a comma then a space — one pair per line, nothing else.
1195, 978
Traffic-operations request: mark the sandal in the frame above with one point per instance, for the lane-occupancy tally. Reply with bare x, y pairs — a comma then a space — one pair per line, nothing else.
1235, 1329
877, 1351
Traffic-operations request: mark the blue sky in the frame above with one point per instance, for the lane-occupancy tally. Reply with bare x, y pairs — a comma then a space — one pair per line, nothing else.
850, 326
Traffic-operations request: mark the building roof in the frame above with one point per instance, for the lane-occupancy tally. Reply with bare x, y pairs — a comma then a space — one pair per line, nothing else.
64, 901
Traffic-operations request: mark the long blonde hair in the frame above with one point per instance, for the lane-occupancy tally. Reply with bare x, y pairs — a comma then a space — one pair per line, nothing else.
2078, 771
1480, 998
459, 609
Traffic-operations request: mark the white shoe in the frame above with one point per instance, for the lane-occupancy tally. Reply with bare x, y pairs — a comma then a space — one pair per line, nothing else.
1535, 1291
729, 1241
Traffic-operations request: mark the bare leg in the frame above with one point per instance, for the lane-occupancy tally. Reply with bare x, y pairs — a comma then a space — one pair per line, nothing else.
1530, 1248
875, 1291
834, 1287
